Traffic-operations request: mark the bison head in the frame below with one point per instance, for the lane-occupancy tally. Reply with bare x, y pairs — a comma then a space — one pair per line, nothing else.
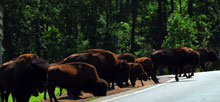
143, 76
100, 88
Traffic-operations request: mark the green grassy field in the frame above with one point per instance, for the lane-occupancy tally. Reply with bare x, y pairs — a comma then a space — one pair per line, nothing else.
41, 96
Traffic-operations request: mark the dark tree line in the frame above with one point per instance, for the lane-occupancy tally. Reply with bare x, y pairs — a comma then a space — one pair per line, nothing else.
54, 29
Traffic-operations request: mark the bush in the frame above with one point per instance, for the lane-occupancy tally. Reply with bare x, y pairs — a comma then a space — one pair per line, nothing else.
182, 31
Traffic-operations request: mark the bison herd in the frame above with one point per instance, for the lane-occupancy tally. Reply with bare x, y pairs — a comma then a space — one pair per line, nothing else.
93, 71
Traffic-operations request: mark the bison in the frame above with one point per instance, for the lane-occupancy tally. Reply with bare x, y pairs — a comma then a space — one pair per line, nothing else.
112, 70
172, 57
75, 77
90, 58
23, 76
129, 57
148, 66
206, 55
193, 63
137, 72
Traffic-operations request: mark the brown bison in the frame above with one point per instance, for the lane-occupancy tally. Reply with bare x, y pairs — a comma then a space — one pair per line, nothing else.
137, 72
172, 57
191, 65
148, 66
95, 59
75, 77
206, 55
113, 70
23, 76
129, 57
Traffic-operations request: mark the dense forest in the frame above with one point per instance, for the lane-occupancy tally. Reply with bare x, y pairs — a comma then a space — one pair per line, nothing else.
54, 29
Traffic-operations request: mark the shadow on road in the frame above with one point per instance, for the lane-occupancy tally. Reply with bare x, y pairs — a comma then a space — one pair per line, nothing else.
181, 80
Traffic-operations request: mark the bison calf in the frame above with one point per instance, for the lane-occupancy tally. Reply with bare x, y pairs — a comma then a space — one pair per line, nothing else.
137, 72
147, 64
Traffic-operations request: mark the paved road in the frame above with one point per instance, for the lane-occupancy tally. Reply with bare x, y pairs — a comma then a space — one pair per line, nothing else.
203, 87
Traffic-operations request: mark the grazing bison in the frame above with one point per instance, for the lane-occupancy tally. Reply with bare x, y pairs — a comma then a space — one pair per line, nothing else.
137, 72
75, 77
148, 66
172, 57
113, 70
206, 55
129, 57
23, 76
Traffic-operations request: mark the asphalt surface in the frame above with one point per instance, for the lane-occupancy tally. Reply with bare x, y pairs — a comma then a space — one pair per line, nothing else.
203, 87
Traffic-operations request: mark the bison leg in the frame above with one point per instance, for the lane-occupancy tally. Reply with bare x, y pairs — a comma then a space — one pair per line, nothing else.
133, 83
6, 96
142, 82
154, 77
176, 74
51, 93
113, 85
61, 91
45, 94
193, 70
126, 84
13, 97
2, 96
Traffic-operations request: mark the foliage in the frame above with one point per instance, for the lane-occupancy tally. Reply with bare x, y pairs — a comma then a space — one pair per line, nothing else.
55, 29
181, 32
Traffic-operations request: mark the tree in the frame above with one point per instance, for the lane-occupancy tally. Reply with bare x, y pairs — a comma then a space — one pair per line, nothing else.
134, 16
172, 6
190, 8
182, 31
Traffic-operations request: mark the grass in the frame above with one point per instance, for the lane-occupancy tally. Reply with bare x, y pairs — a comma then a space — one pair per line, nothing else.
92, 98
40, 97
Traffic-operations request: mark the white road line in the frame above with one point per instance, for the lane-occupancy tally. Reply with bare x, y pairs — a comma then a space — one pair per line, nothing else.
136, 92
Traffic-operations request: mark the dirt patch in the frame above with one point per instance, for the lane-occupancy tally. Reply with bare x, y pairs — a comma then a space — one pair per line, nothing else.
88, 96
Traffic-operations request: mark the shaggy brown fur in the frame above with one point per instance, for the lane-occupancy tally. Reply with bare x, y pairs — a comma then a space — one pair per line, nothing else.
129, 57
76, 77
113, 69
137, 72
23, 76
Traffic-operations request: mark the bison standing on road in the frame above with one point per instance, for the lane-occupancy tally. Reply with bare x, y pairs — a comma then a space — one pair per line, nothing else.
148, 66
192, 63
76, 77
23, 76
172, 57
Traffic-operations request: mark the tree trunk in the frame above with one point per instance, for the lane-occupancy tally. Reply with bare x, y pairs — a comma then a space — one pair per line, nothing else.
108, 44
161, 27
172, 6
180, 3
134, 16
39, 30
7, 41
190, 8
